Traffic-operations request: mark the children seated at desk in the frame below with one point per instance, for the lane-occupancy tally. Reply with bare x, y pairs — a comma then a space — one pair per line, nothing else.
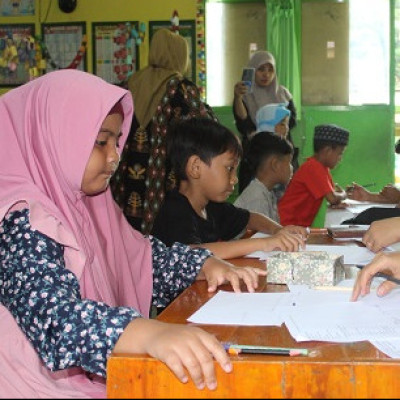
312, 182
204, 156
270, 165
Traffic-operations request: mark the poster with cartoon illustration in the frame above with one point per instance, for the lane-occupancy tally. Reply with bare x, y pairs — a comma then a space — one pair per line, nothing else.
16, 8
19, 53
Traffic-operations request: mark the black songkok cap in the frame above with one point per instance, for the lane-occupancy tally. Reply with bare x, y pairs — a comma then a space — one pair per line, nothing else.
331, 133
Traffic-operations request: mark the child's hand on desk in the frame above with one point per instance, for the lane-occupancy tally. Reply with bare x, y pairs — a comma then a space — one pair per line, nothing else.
284, 241
357, 192
218, 272
382, 233
339, 206
183, 348
296, 230
388, 263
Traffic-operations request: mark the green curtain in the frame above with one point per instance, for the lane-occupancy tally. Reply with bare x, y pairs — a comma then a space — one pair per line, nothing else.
283, 44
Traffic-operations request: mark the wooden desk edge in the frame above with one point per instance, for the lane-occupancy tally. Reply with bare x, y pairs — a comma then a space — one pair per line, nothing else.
278, 377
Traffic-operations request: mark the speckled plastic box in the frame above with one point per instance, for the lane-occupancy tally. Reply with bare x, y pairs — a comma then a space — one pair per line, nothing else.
314, 268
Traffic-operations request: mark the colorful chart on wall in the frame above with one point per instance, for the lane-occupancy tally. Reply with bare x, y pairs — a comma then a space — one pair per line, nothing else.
188, 31
17, 8
64, 42
17, 53
115, 50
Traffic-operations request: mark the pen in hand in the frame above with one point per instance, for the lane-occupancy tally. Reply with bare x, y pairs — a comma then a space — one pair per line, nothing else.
350, 188
383, 275
367, 185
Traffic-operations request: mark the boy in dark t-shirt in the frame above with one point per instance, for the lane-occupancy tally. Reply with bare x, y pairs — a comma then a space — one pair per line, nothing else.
204, 156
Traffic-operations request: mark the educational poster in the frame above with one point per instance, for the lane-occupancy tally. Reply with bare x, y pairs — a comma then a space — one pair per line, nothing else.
115, 50
65, 44
17, 54
186, 30
17, 8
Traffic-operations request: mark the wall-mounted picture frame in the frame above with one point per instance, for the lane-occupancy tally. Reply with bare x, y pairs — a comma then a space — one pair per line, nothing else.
17, 53
115, 50
66, 45
13, 8
187, 29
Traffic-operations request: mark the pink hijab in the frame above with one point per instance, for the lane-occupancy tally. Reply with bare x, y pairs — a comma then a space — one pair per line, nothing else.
48, 131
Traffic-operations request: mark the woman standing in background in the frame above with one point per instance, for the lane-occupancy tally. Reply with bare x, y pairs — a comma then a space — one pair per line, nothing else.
266, 90
161, 95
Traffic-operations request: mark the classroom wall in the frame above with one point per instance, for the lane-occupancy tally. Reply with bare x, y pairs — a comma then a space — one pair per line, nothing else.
107, 10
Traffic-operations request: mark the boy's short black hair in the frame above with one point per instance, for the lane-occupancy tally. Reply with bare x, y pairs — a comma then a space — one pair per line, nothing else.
199, 136
330, 135
264, 145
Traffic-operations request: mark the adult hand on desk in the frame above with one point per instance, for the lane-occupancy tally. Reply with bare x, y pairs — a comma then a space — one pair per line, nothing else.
382, 233
391, 193
382, 262
184, 349
218, 272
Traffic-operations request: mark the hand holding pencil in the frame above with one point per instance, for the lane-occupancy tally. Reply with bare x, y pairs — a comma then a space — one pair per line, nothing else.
359, 192
385, 265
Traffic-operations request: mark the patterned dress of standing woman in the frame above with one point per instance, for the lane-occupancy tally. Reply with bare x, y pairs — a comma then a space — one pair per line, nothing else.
162, 96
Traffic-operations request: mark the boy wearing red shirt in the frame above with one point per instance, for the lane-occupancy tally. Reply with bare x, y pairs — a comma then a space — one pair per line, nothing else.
312, 182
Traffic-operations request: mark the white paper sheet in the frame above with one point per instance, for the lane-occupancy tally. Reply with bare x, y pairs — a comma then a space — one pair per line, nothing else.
342, 322
390, 347
228, 308
322, 315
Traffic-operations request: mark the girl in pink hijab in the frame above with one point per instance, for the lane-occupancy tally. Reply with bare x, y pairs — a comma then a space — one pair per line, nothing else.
76, 280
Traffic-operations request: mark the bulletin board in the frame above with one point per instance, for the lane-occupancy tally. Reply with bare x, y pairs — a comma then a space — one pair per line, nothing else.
115, 50
16, 53
187, 29
63, 42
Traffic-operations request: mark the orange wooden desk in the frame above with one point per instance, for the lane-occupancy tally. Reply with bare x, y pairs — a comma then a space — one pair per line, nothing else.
351, 370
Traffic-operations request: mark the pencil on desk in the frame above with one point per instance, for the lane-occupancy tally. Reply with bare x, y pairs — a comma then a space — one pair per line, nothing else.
250, 349
334, 288
382, 275
280, 352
